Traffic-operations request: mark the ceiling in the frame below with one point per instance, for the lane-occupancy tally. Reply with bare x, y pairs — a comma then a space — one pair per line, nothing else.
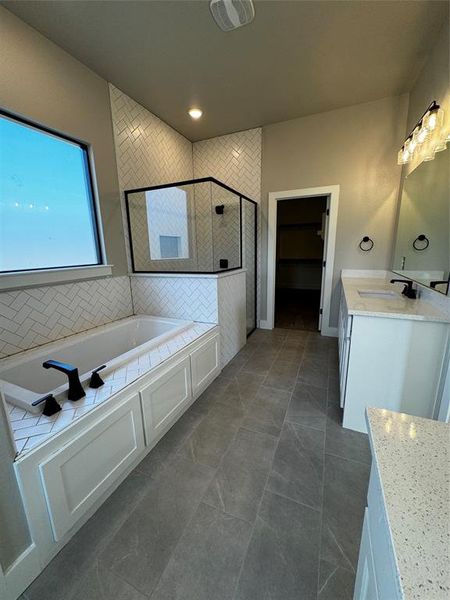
296, 58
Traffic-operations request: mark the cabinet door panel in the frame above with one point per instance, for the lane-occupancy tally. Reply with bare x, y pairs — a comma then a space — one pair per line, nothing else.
365, 584
78, 474
164, 399
205, 363
383, 552
344, 329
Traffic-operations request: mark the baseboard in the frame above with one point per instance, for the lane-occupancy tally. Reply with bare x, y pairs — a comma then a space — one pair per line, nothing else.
22, 572
330, 331
263, 324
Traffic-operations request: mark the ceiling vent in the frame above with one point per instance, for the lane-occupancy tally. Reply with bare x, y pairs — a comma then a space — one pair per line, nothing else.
231, 14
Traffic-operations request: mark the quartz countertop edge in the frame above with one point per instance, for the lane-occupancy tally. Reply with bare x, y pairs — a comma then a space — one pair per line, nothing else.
412, 457
391, 307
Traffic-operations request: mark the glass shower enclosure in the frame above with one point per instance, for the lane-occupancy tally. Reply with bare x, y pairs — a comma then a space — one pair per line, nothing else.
196, 226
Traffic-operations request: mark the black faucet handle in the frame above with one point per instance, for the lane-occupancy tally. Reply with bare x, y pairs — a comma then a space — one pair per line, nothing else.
96, 381
59, 366
51, 406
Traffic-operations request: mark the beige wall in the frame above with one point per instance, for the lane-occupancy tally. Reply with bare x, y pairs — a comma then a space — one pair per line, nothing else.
356, 148
14, 535
41, 81
433, 83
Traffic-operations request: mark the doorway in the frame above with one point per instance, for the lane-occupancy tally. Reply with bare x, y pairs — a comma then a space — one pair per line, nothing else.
328, 229
301, 228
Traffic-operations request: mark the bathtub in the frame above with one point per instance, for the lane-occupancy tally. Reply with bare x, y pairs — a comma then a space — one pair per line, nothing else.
23, 379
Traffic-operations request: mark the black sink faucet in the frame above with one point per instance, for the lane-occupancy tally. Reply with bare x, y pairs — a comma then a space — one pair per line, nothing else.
408, 289
76, 390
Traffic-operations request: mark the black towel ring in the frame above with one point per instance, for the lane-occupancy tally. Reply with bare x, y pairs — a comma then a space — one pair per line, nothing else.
366, 240
421, 238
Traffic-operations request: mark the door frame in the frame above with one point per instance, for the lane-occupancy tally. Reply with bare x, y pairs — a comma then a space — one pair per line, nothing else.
332, 193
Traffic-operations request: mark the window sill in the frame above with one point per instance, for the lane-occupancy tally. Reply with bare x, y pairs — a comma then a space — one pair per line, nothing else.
14, 281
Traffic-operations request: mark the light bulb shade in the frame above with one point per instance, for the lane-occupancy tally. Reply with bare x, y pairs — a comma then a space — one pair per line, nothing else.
441, 145
433, 119
428, 150
400, 157
422, 135
429, 136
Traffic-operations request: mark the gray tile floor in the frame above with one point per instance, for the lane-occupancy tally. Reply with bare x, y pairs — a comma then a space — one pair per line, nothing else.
256, 493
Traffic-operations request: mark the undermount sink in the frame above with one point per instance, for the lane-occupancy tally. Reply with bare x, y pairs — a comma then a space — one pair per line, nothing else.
377, 294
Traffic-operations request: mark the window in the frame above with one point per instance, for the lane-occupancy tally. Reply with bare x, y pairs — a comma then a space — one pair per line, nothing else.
170, 246
47, 213
168, 223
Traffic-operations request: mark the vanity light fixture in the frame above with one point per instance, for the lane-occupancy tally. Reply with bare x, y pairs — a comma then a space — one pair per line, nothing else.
428, 136
195, 113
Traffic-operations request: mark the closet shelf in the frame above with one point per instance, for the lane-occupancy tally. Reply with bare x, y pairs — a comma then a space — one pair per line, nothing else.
301, 226
302, 261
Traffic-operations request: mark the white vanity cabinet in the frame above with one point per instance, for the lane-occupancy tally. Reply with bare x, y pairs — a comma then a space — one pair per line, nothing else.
392, 363
377, 575
365, 582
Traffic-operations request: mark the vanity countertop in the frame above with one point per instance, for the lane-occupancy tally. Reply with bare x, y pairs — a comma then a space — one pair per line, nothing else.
396, 306
412, 456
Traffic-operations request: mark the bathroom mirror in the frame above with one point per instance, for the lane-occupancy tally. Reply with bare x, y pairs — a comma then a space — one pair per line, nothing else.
422, 249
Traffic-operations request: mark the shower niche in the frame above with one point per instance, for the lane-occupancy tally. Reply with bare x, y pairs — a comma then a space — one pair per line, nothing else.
201, 226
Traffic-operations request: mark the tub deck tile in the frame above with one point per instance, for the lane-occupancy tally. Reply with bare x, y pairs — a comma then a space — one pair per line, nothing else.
30, 430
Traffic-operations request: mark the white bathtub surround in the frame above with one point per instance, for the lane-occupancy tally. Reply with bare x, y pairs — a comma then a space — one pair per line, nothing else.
24, 381
409, 506
395, 306
35, 316
212, 298
232, 311
30, 429
67, 476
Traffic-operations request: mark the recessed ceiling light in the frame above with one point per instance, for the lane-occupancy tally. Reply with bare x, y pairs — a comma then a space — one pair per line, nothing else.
195, 113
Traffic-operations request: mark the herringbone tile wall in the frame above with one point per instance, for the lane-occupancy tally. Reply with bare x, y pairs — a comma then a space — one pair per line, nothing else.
235, 159
34, 316
193, 298
149, 152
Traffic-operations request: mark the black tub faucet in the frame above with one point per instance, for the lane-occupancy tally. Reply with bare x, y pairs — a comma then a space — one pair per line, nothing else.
76, 390
408, 289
